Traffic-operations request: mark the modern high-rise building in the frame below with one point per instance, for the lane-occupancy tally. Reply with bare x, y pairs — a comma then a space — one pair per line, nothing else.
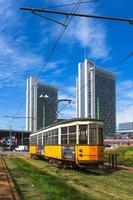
96, 95
41, 105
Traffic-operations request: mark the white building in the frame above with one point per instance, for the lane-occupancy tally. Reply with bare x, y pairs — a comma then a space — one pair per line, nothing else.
96, 95
40, 111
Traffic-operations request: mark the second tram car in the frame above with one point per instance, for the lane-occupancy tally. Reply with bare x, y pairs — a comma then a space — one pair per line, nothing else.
70, 142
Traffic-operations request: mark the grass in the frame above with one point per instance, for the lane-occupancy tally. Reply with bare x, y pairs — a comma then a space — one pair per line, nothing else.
125, 155
39, 180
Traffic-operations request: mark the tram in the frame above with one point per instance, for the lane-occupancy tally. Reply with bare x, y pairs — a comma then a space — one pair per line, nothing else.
74, 142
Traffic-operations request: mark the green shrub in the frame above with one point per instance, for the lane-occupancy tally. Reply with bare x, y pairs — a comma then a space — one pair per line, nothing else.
125, 155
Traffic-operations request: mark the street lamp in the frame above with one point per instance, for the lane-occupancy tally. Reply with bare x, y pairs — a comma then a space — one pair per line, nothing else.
43, 97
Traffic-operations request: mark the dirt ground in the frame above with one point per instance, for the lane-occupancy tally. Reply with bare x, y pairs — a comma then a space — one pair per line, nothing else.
7, 188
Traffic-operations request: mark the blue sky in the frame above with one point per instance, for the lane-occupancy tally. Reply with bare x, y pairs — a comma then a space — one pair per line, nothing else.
25, 42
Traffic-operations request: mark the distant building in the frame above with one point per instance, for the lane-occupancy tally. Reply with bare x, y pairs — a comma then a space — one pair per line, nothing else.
14, 137
126, 126
96, 95
125, 129
41, 105
115, 142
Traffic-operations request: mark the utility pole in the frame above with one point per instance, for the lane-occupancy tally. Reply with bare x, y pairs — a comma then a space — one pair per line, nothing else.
10, 137
22, 136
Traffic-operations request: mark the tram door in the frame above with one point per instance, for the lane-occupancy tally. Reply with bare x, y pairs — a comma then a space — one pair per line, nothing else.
82, 148
87, 148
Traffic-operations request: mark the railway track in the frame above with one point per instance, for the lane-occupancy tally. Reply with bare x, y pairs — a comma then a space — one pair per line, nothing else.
8, 189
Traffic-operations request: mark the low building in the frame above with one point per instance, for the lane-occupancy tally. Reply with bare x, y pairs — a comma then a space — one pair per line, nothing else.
125, 130
14, 138
115, 142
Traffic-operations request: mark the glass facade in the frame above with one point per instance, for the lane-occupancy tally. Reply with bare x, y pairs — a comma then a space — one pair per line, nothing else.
46, 107
105, 100
99, 85
40, 112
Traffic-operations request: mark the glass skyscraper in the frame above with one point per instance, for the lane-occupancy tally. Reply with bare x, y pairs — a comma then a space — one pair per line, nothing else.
41, 105
96, 95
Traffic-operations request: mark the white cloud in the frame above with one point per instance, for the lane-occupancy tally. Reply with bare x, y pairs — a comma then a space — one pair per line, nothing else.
14, 61
18, 56
88, 33
126, 115
91, 36
125, 101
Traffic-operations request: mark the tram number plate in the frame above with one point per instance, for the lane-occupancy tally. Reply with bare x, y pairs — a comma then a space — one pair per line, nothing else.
68, 152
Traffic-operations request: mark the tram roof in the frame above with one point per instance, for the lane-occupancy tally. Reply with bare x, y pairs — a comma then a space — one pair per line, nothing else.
69, 121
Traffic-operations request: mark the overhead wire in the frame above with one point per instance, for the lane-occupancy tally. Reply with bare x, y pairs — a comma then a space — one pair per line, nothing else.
51, 51
66, 105
112, 67
118, 63
71, 4
69, 96
47, 18
59, 37
64, 13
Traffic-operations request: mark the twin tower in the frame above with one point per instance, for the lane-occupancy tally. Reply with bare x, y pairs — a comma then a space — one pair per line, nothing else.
95, 98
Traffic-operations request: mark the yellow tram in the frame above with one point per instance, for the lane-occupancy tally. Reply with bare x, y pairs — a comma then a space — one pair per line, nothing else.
70, 142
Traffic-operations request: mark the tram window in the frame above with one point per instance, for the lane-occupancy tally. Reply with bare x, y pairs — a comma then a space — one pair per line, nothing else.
55, 136
100, 135
72, 134
92, 134
44, 138
33, 140
46, 142
48, 137
83, 135
40, 140
64, 135
51, 135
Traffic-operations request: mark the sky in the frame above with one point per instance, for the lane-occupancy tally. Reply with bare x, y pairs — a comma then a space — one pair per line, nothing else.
26, 41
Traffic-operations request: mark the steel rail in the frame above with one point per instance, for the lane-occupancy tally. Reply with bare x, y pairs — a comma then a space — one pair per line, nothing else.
8, 178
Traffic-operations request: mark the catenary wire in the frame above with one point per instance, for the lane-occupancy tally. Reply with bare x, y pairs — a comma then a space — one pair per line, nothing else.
112, 67
51, 51
115, 65
66, 105
63, 13
68, 14
47, 18
72, 4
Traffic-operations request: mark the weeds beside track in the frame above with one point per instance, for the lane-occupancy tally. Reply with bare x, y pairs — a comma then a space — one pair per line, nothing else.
57, 184
8, 189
